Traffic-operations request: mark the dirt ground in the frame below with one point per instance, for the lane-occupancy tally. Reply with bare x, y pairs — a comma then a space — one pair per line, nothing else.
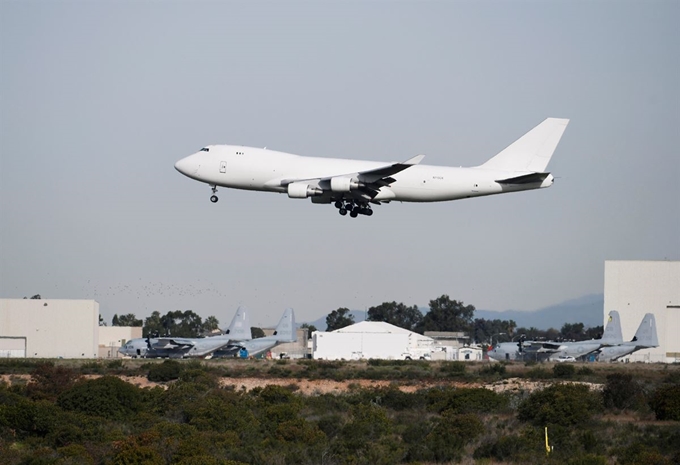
323, 386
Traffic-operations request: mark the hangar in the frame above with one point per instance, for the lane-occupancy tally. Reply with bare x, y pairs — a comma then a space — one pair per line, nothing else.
636, 287
375, 339
49, 328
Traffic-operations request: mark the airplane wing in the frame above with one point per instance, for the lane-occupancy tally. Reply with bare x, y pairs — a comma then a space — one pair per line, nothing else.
543, 347
368, 182
172, 343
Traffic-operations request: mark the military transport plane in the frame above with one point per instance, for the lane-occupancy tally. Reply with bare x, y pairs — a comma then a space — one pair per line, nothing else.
645, 338
285, 332
536, 350
354, 185
180, 347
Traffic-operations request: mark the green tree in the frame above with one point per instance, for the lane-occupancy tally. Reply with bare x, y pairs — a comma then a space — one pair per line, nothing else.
182, 323
108, 397
447, 315
339, 319
153, 325
126, 320
310, 328
572, 331
666, 402
500, 330
210, 324
396, 314
256, 332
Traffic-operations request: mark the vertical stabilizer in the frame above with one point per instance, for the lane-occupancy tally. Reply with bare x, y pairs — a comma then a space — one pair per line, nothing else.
646, 335
239, 328
532, 151
285, 330
612, 331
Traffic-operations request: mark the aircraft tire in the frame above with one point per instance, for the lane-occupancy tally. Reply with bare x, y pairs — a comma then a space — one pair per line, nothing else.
342, 211
213, 199
353, 214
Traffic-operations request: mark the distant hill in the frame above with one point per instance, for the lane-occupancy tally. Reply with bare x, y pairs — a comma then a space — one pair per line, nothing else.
587, 310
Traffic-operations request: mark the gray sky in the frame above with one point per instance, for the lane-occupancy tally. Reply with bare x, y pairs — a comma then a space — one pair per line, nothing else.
99, 99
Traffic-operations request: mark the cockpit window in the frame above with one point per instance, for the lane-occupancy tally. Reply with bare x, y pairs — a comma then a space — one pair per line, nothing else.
204, 149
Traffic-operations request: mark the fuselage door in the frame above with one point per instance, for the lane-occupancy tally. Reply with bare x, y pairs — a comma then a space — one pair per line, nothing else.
223, 167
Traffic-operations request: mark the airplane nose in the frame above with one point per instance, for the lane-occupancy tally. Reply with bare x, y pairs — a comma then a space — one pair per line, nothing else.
183, 166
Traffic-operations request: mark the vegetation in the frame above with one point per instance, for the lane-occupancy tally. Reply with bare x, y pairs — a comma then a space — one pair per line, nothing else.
176, 323
339, 319
419, 415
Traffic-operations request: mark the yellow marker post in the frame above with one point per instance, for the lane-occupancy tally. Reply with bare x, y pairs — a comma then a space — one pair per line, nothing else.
548, 448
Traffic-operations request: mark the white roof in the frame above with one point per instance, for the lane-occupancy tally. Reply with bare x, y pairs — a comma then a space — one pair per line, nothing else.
380, 327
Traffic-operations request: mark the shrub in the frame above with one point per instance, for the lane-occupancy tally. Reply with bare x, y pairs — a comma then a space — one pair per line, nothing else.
588, 459
166, 371
454, 368
493, 369
107, 396
560, 404
466, 400
665, 402
564, 370
538, 373
451, 433
48, 381
621, 391
585, 371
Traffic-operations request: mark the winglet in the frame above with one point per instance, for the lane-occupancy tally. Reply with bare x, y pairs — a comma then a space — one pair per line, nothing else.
413, 161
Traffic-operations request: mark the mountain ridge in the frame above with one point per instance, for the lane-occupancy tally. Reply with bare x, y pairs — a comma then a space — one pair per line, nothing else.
587, 309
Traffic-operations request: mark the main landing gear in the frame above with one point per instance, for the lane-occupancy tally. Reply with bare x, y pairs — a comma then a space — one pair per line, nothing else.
353, 209
213, 198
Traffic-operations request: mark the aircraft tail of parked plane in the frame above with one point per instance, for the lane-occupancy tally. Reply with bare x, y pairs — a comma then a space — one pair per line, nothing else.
239, 328
285, 331
612, 331
646, 336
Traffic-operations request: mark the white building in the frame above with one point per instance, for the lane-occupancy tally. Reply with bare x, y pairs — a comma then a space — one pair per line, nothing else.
371, 339
49, 328
638, 287
112, 338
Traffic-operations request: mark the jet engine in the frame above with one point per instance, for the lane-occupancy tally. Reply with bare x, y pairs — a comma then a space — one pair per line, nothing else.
302, 191
343, 184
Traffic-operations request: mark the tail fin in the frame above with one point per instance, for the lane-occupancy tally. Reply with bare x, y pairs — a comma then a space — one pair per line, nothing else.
239, 328
285, 330
646, 336
612, 331
532, 151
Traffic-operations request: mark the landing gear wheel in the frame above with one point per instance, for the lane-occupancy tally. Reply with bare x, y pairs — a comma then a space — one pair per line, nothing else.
214, 199
368, 212
342, 211
353, 214
338, 205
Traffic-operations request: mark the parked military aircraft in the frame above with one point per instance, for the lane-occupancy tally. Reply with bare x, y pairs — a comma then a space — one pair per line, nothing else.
645, 338
285, 332
180, 347
537, 350
354, 185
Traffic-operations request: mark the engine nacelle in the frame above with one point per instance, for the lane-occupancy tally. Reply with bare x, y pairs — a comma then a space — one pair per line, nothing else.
343, 184
298, 190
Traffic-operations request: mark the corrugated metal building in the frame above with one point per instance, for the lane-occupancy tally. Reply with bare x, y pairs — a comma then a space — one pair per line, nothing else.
638, 287
49, 328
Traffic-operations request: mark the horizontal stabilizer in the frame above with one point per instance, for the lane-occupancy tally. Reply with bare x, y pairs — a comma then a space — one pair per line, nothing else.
525, 179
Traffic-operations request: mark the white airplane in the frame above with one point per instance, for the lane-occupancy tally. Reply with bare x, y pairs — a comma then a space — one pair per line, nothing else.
285, 331
645, 338
354, 185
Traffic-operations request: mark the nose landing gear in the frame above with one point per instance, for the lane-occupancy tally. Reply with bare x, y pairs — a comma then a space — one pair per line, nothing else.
213, 198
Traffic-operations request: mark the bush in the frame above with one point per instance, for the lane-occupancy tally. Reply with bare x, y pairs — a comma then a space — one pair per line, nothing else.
107, 396
493, 369
48, 381
564, 370
561, 404
665, 402
166, 371
538, 373
622, 391
585, 371
451, 433
454, 368
466, 400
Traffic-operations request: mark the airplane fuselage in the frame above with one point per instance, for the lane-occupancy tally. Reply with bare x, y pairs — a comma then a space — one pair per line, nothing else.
257, 169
